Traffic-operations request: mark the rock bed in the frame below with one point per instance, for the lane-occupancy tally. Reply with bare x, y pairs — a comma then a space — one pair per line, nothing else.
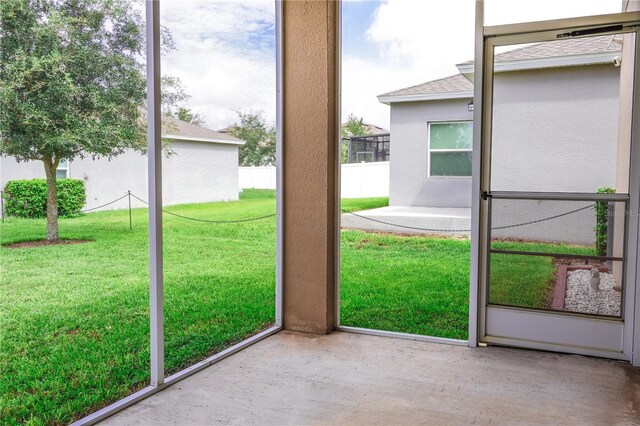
579, 296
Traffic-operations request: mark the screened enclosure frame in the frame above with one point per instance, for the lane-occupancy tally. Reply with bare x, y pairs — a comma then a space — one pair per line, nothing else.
513, 34
158, 379
378, 144
338, 323
479, 232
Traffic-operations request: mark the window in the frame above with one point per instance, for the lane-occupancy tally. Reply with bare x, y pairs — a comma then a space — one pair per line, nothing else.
449, 152
62, 172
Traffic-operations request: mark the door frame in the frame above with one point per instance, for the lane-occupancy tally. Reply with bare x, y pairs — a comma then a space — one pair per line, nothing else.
486, 38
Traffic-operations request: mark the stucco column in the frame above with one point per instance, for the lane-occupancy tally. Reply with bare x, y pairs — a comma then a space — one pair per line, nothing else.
310, 129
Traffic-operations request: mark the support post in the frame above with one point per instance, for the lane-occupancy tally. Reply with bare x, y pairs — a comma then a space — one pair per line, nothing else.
154, 147
279, 185
2, 205
475, 299
310, 131
130, 221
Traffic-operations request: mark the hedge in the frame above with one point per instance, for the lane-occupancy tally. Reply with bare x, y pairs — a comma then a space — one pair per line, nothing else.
28, 197
602, 222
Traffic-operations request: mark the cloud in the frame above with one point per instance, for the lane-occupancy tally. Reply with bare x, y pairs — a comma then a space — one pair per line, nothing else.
226, 49
427, 36
498, 12
363, 80
415, 41
225, 56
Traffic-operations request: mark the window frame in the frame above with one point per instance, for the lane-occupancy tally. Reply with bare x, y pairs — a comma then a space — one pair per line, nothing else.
429, 150
65, 169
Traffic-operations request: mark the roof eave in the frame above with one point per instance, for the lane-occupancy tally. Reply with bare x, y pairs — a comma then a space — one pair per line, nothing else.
388, 99
549, 62
237, 142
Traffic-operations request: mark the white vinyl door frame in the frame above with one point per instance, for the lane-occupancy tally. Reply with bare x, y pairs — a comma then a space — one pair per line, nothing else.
486, 39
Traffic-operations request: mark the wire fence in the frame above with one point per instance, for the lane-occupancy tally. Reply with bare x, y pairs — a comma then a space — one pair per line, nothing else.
208, 220
130, 195
494, 228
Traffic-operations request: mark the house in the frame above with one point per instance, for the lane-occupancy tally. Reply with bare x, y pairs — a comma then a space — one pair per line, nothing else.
578, 79
307, 366
294, 378
199, 165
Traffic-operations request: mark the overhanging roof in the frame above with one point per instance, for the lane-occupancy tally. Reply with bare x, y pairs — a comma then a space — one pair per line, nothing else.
557, 53
179, 130
452, 87
209, 140
553, 54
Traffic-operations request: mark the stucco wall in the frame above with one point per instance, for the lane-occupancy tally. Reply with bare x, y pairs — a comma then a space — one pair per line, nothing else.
556, 133
554, 130
311, 155
196, 172
199, 172
409, 185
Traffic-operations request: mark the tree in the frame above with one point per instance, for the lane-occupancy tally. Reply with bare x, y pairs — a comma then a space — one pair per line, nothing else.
185, 114
260, 139
173, 99
72, 84
354, 126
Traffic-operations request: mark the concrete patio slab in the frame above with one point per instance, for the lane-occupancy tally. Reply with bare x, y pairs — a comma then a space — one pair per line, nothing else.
410, 219
343, 378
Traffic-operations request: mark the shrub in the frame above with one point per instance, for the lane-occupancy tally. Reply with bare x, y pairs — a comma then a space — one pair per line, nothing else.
602, 221
28, 197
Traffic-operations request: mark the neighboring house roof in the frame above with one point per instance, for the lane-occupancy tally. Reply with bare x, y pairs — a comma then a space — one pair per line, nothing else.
575, 46
373, 130
228, 129
551, 54
455, 86
557, 53
181, 130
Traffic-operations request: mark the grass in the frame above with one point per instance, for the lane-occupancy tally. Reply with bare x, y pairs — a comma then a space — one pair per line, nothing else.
349, 205
409, 284
74, 319
518, 280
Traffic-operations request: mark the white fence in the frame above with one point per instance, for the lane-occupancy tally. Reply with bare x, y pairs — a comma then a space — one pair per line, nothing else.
257, 177
358, 180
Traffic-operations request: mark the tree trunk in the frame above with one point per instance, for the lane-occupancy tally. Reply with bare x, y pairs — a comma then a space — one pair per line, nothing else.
50, 167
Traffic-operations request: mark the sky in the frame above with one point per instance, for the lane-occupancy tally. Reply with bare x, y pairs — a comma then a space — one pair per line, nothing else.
225, 50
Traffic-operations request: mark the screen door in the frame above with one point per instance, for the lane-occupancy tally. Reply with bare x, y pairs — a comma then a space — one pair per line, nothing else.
560, 185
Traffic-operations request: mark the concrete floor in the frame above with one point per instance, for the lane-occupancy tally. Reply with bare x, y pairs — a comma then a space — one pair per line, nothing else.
443, 219
345, 378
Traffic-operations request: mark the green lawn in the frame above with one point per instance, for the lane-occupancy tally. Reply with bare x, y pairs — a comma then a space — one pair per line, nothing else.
523, 280
74, 319
349, 205
409, 284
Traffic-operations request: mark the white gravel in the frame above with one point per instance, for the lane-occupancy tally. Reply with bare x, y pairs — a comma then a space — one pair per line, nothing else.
579, 296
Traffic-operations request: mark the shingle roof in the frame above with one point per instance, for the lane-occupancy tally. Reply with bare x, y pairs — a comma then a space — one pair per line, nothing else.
454, 83
557, 48
576, 46
565, 47
372, 129
175, 127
